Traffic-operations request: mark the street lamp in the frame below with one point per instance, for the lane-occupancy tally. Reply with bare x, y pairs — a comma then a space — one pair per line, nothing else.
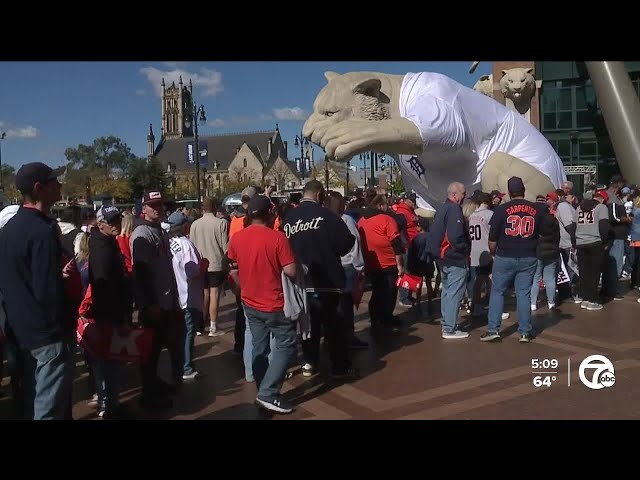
373, 156
346, 190
1, 138
302, 142
197, 113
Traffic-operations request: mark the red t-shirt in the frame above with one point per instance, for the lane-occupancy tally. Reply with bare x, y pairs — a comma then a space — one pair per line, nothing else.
261, 253
376, 234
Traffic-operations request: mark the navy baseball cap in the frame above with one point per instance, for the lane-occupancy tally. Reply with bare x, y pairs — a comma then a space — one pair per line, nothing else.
259, 204
108, 214
515, 184
36, 172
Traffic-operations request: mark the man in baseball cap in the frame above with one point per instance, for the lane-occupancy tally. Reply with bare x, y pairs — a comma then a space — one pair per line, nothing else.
109, 214
259, 205
31, 174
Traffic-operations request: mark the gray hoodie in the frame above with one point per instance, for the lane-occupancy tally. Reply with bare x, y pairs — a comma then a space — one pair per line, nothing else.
154, 280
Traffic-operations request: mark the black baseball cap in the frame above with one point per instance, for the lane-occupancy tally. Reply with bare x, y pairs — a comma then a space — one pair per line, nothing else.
152, 197
259, 204
36, 172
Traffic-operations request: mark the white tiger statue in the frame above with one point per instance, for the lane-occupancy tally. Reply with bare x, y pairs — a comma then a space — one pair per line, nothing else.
485, 85
519, 86
438, 130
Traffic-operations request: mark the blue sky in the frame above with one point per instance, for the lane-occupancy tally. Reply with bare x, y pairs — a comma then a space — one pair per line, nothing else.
46, 107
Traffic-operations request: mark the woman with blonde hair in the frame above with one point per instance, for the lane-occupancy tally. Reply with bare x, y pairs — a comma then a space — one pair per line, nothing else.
125, 248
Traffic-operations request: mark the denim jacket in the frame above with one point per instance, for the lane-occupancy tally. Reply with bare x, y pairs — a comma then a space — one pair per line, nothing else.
635, 226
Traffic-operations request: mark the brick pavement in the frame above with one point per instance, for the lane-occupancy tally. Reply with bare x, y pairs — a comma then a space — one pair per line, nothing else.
415, 374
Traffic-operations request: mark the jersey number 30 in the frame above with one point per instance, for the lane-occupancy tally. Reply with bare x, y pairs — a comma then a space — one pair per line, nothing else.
520, 226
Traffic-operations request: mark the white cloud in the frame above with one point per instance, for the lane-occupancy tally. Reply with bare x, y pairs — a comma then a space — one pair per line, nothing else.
141, 92
264, 116
209, 82
21, 132
217, 122
290, 113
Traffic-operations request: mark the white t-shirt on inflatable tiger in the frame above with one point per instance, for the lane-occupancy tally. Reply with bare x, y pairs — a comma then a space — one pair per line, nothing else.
460, 129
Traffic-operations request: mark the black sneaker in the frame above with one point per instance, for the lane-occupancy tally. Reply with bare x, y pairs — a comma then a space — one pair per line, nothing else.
155, 402
490, 337
357, 344
525, 338
348, 374
618, 297
278, 405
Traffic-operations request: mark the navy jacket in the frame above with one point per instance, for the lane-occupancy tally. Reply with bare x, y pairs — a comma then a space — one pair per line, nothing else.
31, 280
449, 236
319, 238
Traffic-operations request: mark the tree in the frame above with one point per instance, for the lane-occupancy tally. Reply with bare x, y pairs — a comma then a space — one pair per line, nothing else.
8, 182
100, 167
280, 175
143, 175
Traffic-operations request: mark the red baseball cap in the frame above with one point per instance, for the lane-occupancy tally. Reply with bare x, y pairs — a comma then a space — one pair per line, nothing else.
603, 194
553, 196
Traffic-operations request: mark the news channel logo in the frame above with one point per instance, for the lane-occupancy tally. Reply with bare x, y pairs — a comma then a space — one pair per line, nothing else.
601, 373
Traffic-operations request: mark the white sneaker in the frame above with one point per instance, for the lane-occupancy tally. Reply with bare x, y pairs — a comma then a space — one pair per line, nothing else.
505, 315
456, 334
552, 306
639, 300
534, 308
191, 376
214, 332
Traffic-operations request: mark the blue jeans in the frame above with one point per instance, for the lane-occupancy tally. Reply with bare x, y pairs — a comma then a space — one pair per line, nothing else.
519, 272
548, 272
48, 378
107, 379
471, 281
269, 373
454, 282
247, 351
192, 318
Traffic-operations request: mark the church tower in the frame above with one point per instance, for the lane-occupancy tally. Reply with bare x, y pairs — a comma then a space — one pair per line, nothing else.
151, 142
176, 106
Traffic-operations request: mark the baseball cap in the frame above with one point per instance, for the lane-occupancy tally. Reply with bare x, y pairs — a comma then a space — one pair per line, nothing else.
603, 194
178, 218
108, 214
553, 196
625, 191
616, 178
36, 172
151, 197
249, 192
412, 197
259, 204
515, 184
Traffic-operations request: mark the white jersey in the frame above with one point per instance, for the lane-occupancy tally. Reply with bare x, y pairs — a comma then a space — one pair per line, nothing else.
479, 234
460, 129
186, 266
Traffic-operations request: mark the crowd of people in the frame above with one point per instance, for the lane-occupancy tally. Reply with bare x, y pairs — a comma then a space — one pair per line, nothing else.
297, 271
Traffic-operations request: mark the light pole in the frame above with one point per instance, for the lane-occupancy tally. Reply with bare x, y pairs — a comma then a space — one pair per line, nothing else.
197, 113
302, 142
373, 156
346, 189
1, 138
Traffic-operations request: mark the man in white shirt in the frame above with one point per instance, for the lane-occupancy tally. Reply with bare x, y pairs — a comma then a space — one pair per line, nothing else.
190, 270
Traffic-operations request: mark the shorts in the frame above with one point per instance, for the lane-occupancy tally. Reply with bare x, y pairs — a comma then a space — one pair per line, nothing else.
215, 279
484, 269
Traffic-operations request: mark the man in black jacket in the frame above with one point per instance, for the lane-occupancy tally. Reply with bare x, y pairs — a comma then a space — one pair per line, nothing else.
110, 297
31, 280
319, 238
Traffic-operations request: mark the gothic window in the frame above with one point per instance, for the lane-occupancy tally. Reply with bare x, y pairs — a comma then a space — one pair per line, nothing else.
244, 163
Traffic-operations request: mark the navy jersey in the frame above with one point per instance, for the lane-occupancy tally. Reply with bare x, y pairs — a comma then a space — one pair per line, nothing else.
515, 226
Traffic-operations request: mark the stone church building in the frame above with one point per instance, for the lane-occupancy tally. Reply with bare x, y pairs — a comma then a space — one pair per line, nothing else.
251, 157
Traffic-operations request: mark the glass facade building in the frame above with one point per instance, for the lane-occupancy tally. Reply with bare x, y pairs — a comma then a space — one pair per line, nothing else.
571, 120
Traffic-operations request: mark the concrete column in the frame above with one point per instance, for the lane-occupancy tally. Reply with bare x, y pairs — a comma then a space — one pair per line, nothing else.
620, 107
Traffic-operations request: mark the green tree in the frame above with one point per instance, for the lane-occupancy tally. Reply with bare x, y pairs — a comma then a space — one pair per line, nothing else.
8, 182
143, 175
104, 166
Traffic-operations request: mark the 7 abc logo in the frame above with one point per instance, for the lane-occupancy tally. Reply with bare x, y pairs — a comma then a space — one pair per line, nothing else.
603, 375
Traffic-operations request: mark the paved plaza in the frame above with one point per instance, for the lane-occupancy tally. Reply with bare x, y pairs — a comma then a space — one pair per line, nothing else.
413, 374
